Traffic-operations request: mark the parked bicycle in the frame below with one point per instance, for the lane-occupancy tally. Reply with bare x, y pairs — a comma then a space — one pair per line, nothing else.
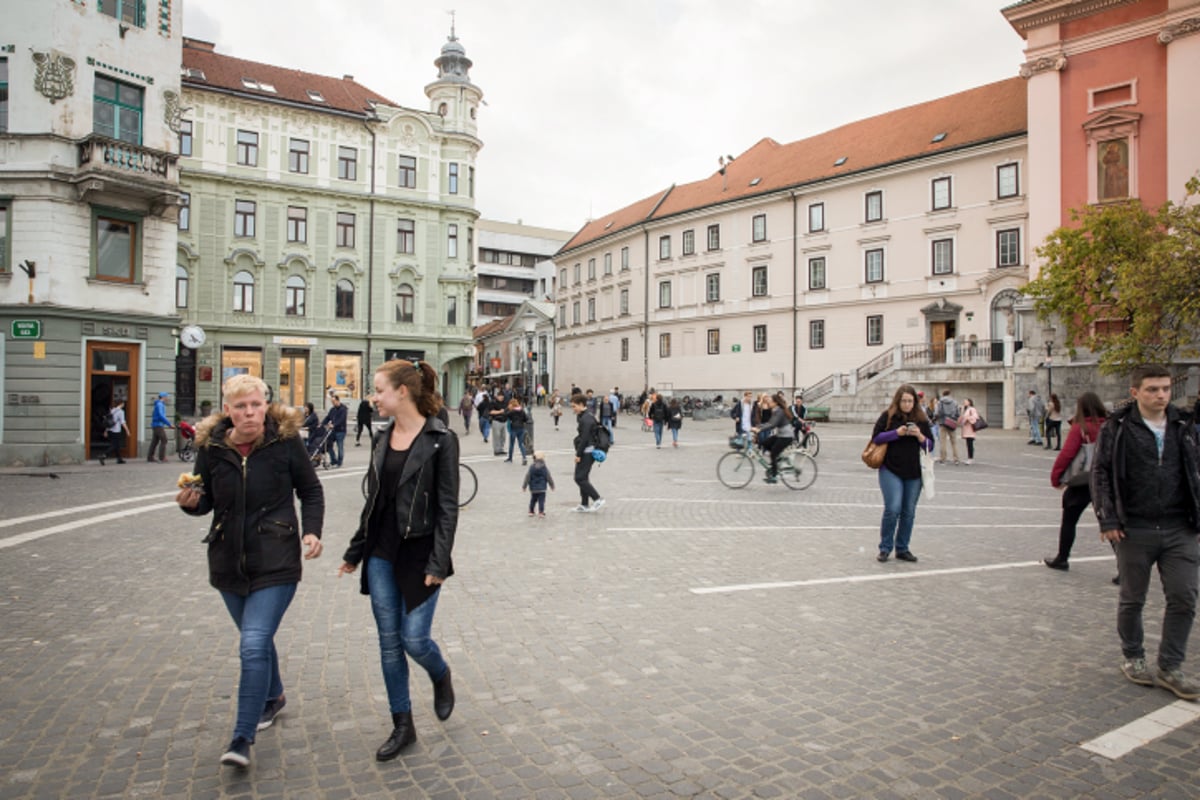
797, 469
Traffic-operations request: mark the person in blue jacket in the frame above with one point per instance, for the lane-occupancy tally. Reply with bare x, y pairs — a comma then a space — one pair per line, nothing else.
158, 427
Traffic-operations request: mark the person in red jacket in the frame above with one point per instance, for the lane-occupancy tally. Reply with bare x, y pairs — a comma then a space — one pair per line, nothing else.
1085, 428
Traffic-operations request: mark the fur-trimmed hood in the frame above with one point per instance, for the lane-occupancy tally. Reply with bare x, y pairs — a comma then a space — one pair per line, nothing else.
281, 421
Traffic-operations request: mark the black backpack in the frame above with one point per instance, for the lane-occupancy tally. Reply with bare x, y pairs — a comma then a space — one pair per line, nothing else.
108, 420
601, 438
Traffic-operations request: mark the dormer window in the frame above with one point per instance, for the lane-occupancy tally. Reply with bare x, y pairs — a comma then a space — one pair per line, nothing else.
194, 74
840, 161
249, 83
939, 138
316, 96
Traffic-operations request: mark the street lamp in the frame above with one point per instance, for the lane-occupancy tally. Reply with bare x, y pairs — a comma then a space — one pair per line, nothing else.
1049, 369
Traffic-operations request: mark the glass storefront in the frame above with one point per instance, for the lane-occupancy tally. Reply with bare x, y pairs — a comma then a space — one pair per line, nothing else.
241, 361
343, 375
293, 377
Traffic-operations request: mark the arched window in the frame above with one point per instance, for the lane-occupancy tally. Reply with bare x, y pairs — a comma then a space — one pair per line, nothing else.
404, 303
293, 296
344, 306
243, 292
181, 287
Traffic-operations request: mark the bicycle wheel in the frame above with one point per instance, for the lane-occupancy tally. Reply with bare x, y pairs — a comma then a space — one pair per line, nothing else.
812, 444
798, 470
735, 470
468, 484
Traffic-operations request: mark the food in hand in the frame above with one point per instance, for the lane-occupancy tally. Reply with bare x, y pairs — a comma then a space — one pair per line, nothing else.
189, 481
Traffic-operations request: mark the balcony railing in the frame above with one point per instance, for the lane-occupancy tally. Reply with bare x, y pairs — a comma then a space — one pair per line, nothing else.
124, 159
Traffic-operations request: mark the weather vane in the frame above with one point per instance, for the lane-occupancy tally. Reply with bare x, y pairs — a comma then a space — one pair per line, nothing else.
453, 38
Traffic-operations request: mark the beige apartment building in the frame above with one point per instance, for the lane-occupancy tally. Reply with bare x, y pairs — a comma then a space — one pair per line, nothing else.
802, 264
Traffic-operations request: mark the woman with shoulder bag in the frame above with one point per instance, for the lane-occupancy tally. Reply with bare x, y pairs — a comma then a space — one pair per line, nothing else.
905, 429
1077, 494
968, 418
405, 536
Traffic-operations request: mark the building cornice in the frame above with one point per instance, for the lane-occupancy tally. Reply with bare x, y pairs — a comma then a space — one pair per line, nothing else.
1027, 16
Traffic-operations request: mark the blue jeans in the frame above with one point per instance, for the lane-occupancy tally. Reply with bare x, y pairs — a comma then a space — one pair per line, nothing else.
485, 425
607, 422
899, 510
674, 434
401, 632
337, 450
517, 438
258, 616
1035, 430
658, 433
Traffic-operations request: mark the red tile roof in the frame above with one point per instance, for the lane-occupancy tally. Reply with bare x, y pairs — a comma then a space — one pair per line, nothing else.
226, 73
985, 113
489, 328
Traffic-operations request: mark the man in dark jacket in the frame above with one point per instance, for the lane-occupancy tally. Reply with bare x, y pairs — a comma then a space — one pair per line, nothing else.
335, 420
583, 455
1146, 492
363, 418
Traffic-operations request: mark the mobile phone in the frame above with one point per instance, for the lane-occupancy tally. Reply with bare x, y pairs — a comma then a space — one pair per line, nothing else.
912, 426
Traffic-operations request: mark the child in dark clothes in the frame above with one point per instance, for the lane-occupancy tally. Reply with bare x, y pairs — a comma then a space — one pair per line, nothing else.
536, 480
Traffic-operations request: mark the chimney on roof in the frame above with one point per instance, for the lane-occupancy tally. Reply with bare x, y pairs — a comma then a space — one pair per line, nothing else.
199, 44
347, 77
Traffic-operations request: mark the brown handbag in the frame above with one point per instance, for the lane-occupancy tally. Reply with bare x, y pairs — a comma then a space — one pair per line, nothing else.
873, 454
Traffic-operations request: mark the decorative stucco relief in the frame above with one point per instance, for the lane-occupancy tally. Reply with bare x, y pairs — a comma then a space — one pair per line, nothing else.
1030, 68
173, 110
1178, 30
55, 75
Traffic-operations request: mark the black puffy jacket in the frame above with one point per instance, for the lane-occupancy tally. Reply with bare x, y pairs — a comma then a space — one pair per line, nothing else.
426, 498
254, 540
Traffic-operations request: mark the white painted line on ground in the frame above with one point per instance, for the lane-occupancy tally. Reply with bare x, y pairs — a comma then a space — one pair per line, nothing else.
888, 576
22, 538
873, 527
1143, 730
800, 495
76, 509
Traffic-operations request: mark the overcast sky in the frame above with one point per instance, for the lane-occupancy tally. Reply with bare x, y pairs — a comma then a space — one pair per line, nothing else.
592, 105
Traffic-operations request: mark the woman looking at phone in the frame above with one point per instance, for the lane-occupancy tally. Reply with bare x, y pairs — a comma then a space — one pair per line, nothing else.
905, 429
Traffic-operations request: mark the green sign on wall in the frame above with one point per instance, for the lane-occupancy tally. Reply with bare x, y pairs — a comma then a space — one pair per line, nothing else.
27, 329
737, 348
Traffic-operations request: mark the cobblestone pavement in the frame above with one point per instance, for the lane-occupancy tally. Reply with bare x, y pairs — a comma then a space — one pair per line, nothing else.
685, 641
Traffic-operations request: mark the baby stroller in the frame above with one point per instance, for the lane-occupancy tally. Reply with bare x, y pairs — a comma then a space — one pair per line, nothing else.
318, 448
187, 447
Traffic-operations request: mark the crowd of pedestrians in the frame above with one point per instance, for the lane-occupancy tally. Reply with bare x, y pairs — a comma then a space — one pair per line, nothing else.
1138, 467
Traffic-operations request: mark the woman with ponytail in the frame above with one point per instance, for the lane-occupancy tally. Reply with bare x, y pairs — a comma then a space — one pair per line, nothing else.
405, 535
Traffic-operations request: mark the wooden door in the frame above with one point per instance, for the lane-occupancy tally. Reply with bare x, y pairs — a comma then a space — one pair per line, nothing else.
937, 342
112, 374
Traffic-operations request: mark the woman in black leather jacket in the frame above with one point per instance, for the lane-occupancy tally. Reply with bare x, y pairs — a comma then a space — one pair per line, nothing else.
252, 463
405, 536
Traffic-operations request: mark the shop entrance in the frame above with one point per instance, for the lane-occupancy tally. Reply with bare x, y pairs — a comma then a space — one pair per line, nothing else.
112, 376
293, 377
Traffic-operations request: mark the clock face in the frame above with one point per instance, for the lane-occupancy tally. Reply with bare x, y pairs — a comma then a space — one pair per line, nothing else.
192, 336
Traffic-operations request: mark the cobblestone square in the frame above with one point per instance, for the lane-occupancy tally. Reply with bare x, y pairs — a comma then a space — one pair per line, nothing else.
686, 641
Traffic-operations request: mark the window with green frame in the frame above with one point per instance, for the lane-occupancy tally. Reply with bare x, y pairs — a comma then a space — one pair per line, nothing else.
116, 246
3, 95
117, 110
132, 12
5, 239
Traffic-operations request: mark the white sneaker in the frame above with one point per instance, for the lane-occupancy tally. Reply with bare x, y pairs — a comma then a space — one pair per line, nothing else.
597, 504
581, 508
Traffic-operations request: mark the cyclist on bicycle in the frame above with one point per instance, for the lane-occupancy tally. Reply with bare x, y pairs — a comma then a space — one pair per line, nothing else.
776, 434
799, 412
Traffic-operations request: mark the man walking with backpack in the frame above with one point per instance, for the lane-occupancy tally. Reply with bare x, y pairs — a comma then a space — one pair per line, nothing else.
584, 447
1146, 492
946, 416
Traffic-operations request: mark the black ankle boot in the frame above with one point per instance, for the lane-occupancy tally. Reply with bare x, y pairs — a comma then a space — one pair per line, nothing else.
403, 734
443, 696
